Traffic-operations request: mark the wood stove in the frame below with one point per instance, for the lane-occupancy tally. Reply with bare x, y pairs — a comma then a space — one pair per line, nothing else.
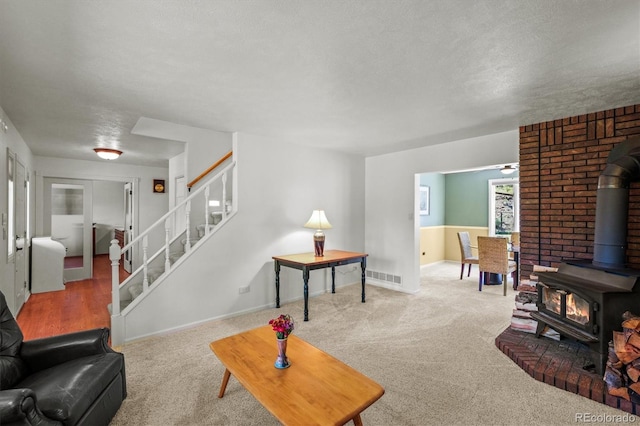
586, 303
585, 300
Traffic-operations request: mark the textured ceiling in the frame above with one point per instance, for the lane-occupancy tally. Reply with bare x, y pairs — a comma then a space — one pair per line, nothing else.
362, 76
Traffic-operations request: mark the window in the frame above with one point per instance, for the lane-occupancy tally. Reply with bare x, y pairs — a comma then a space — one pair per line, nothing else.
504, 206
28, 195
11, 241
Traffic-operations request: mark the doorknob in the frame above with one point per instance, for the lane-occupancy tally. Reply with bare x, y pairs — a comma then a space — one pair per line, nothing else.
19, 243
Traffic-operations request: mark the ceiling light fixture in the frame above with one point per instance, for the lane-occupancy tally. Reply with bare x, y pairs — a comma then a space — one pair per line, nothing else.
507, 170
107, 153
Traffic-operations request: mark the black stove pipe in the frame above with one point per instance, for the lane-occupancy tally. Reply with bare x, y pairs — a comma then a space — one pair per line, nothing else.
612, 204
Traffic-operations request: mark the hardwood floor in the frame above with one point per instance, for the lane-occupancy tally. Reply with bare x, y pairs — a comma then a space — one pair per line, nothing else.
82, 305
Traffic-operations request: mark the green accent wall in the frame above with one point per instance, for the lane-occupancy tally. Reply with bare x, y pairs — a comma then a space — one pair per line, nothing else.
467, 202
459, 199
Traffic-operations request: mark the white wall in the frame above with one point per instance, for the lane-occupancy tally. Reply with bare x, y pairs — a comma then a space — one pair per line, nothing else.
108, 212
176, 170
203, 148
279, 185
391, 208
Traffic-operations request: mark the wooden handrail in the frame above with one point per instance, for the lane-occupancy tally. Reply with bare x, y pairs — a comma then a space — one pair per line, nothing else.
210, 169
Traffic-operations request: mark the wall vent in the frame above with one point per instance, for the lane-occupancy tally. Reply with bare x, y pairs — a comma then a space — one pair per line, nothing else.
382, 276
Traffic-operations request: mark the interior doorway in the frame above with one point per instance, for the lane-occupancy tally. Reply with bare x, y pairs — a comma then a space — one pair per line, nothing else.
68, 213
128, 226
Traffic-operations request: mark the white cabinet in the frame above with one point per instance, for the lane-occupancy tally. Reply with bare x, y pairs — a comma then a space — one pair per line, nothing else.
47, 265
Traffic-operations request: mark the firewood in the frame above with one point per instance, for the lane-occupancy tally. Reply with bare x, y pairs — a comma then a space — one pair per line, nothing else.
618, 365
528, 288
633, 374
628, 315
540, 268
635, 387
635, 363
612, 357
634, 340
613, 378
621, 392
626, 353
631, 324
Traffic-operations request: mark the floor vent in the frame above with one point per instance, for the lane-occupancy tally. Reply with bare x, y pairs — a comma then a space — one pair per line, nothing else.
393, 279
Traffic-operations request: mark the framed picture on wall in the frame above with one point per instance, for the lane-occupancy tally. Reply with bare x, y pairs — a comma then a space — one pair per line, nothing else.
158, 186
424, 200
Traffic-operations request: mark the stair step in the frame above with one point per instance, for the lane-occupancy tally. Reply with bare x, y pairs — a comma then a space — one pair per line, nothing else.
123, 304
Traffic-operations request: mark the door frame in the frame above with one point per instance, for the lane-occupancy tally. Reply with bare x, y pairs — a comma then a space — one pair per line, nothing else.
86, 271
129, 219
39, 194
492, 205
21, 246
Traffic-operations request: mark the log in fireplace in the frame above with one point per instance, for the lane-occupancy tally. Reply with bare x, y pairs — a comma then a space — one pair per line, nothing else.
585, 300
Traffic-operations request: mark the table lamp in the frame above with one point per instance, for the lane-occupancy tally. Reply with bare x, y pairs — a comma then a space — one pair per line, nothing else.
318, 221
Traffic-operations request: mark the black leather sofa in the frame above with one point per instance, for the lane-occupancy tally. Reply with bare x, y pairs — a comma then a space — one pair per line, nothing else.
71, 379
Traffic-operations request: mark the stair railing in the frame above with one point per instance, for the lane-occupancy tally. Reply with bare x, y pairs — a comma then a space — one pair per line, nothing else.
165, 224
209, 170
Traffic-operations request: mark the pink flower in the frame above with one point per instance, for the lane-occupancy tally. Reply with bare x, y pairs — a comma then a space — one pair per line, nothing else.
283, 326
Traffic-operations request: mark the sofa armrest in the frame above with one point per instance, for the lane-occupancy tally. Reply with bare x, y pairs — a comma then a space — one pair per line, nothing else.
49, 351
18, 407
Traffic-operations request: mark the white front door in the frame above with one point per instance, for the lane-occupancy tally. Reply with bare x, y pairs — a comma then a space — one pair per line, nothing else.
128, 225
21, 245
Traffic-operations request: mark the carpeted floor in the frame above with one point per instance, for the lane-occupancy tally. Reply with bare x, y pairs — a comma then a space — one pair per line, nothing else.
433, 352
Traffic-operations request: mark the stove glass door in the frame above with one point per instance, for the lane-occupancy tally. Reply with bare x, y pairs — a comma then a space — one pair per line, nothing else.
577, 309
552, 300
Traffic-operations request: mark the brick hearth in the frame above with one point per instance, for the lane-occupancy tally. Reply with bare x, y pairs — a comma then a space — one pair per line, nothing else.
560, 364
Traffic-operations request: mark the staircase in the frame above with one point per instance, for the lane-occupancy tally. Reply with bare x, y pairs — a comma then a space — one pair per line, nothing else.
157, 251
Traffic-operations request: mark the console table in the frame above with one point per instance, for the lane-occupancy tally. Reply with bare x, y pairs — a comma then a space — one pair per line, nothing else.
309, 261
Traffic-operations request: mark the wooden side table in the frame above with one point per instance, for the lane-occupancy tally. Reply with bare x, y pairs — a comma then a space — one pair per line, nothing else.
307, 262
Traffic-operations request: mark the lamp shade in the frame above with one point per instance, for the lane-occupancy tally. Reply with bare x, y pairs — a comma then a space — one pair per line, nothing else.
507, 170
318, 220
107, 153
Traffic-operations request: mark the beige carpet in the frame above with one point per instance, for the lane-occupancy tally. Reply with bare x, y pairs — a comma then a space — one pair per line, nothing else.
433, 352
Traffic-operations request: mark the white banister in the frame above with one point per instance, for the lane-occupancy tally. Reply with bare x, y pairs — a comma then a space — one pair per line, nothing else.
157, 240
224, 195
167, 247
206, 209
187, 211
114, 256
171, 212
145, 264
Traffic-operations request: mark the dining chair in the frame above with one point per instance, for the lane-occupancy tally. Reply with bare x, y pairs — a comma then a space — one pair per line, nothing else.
515, 241
515, 238
494, 259
466, 253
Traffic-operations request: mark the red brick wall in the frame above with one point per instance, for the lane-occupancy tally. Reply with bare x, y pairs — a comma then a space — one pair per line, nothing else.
560, 162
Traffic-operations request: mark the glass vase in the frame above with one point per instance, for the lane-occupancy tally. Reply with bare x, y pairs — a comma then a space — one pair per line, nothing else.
282, 361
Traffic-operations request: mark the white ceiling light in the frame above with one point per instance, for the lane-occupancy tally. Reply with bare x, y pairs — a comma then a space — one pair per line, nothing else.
507, 170
107, 153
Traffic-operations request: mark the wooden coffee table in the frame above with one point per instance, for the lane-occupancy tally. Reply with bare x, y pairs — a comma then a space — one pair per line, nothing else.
316, 389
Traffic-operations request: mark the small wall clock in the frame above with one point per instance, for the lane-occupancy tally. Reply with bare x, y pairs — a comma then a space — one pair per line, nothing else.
158, 186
